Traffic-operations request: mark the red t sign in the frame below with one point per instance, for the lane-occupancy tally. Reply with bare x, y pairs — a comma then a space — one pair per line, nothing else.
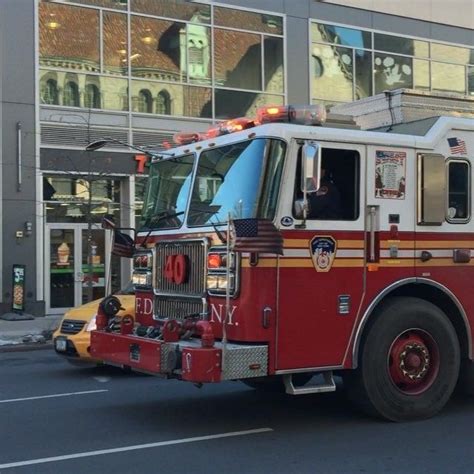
141, 162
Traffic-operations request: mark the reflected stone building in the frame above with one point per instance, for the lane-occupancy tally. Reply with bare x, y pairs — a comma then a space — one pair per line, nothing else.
72, 71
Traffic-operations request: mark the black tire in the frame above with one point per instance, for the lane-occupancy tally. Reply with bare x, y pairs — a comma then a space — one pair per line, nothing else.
385, 384
274, 383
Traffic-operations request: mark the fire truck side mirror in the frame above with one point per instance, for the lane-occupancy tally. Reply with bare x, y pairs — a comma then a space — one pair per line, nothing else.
311, 167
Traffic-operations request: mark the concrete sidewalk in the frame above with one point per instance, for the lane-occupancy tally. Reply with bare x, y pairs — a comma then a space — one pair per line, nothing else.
35, 332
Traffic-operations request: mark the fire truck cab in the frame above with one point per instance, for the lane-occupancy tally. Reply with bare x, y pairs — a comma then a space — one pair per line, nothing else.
371, 281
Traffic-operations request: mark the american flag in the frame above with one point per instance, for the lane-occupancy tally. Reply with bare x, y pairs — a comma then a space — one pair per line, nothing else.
123, 245
457, 146
255, 235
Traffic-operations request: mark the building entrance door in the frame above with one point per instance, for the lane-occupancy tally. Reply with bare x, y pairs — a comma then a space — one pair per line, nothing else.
74, 274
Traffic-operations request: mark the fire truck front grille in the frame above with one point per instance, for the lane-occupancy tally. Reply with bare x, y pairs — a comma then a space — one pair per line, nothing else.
195, 252
178, 308
72, 326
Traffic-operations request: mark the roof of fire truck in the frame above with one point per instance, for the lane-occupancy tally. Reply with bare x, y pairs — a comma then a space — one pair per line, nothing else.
312, 122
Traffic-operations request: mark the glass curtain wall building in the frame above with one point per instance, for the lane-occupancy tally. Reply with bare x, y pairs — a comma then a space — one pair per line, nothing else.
349, 64
160, 57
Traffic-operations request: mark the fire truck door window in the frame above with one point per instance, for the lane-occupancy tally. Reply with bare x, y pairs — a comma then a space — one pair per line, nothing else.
339, 193
459, 192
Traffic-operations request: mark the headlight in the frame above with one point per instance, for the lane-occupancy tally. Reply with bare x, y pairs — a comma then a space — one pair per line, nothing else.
92, 326
141, 279
219, 282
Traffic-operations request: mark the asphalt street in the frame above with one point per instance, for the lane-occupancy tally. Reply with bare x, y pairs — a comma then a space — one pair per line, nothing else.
56, 418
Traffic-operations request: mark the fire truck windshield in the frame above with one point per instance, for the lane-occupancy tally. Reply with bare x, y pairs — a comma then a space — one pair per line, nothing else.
241, 179
167, 193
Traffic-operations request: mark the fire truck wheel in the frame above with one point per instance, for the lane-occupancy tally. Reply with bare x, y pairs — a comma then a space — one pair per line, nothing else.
409, 361
275, 383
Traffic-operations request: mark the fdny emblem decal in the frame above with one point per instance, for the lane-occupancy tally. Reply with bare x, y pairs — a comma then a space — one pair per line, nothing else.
323, 251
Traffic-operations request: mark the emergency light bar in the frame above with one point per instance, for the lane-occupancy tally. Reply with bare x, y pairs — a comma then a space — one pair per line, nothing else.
297, 114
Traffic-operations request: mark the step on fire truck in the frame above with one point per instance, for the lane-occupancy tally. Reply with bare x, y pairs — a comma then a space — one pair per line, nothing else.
277, 249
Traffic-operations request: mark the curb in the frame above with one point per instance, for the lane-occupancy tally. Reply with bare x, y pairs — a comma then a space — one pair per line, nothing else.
26, 347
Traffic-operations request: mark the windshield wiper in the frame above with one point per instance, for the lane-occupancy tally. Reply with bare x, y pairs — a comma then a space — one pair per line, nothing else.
210, 210
158, 217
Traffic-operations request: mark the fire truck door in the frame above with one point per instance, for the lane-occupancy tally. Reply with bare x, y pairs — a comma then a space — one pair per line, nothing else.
321, 275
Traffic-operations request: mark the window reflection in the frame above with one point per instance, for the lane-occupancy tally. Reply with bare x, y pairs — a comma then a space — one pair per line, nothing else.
260, 22
157, 50
421, 74
335, 68
341, 36
363, 73
242, 104
163, 103
171, 99
396, 44
452, 54
98, 91
194, 12
115, 43
448, 77
49, 92
237, 59
273, 64
162, 52
392, 72
69, 37
117, 4
470, 80
92, 97
71, 94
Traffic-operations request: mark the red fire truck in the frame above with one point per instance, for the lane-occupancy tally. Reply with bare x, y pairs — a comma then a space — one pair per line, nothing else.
285, 250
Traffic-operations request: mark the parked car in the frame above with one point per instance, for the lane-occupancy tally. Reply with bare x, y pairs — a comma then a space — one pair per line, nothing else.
73, 336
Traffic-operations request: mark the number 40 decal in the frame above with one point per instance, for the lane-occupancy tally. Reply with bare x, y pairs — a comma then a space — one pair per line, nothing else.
176, 269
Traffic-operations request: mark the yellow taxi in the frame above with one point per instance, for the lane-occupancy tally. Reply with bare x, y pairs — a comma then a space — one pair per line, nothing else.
73, 336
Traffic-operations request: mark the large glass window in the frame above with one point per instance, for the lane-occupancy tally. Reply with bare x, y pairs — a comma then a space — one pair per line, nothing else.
115, 43
335, 72
80, 199
397, 44
341, 55
69, 37
170, 48
448, 77
237, 59
242, 104
116, 4
273, 64
248, 20
177, 9
392, 72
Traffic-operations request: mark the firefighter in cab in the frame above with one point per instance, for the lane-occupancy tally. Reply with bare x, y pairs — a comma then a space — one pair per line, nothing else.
325, 203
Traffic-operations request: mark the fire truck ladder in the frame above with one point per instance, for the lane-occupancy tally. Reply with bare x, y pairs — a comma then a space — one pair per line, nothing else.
328, 385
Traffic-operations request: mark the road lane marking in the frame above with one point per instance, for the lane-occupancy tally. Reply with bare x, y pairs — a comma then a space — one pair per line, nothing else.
133, 448
56, 395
